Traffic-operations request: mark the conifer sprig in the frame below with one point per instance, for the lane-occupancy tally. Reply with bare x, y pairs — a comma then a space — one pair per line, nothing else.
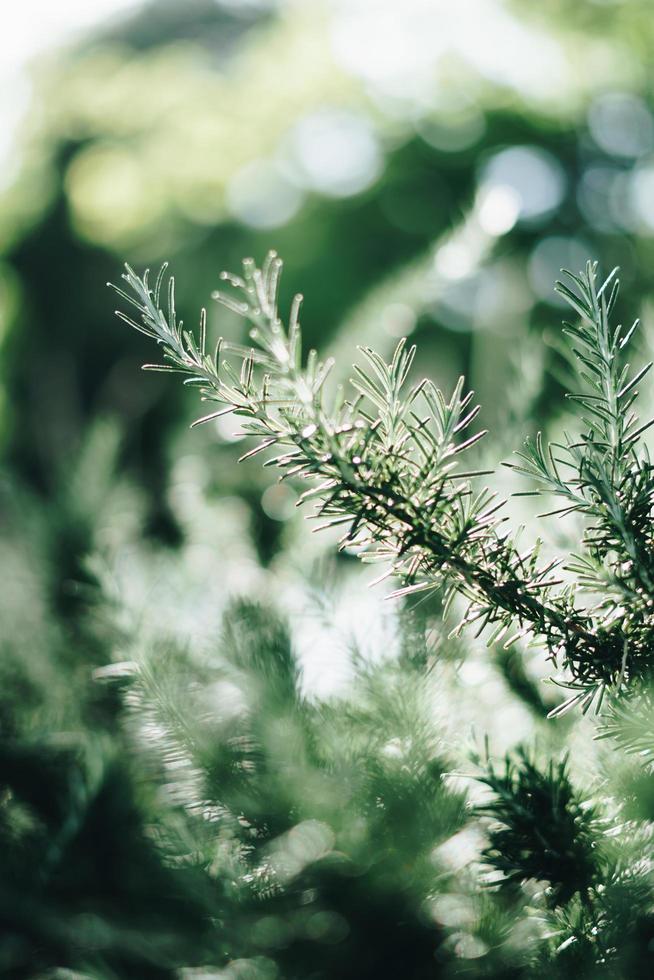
384, 464
601, 473
629, 721
542, 828
594, 861
605, 474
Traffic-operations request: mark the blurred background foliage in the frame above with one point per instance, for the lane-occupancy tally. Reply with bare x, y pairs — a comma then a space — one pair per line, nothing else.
425, 169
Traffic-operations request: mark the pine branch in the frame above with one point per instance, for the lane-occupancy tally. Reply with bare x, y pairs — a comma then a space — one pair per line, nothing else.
629, 721
384, 464
605, 473
542, 828
595, 862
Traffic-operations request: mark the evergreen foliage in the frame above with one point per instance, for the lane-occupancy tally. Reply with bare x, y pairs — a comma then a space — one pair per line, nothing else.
221, 756
384, 463
530, 804
330, 836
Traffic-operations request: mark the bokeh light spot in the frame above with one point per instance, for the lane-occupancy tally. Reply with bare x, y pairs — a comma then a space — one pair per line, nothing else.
621, 124
111, 195
260, 196
534, 176
548, 258
278, 502
452, 134
335, 153
641, 197
498, 209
